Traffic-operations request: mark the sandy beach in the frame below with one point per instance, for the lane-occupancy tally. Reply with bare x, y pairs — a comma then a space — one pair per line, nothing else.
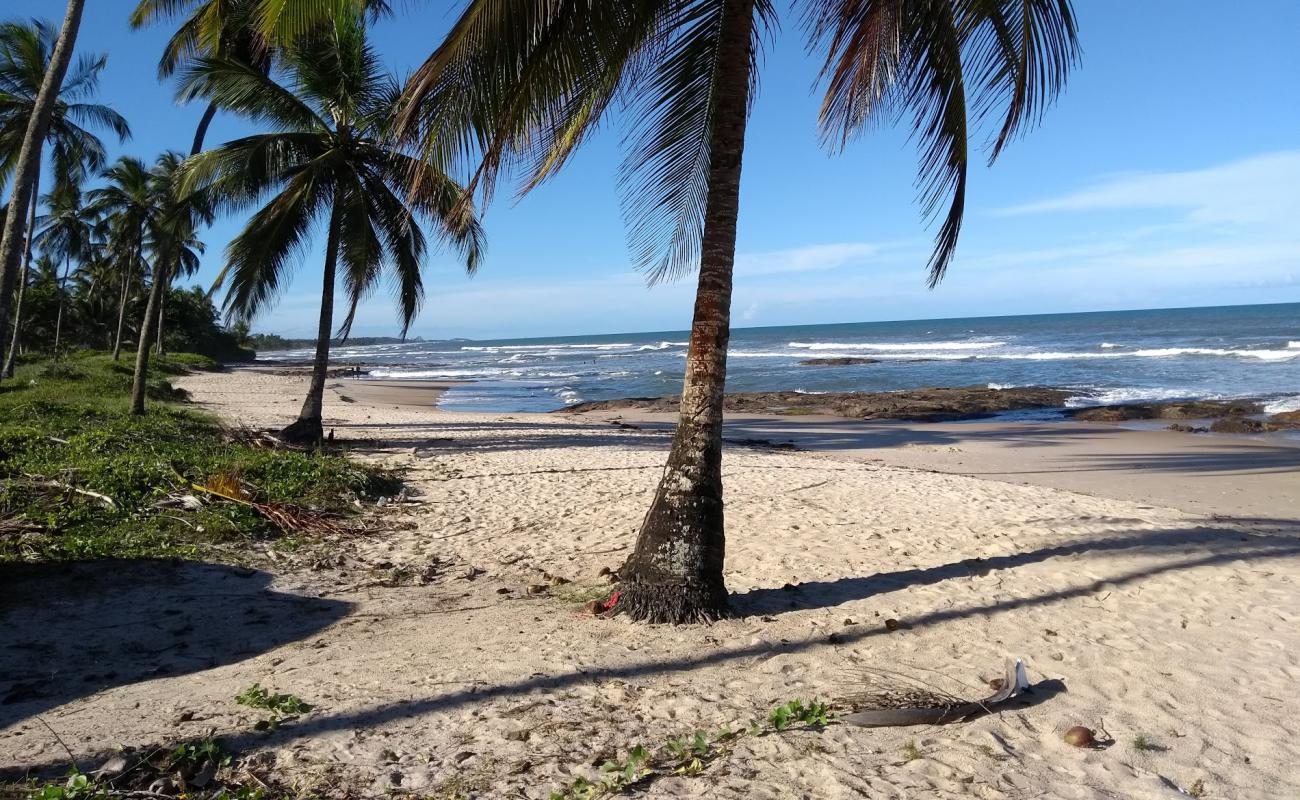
1148, 579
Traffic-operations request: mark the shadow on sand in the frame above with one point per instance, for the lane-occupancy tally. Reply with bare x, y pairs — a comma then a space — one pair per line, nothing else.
72, 629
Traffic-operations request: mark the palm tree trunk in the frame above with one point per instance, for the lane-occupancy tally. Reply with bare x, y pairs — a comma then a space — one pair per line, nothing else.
58, 318
308, 428
17, 339
162, 304
154, 305
201, 132
121, 308
675, 573
29, 154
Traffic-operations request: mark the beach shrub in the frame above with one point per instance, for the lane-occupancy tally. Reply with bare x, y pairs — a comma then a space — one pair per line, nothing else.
82, 478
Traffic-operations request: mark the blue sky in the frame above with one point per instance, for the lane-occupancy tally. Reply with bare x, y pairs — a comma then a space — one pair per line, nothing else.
1166, 176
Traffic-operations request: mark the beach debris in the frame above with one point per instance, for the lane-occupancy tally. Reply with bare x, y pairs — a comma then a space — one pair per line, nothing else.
288, 518
913, 706
892, 625
1079, 736
537, 588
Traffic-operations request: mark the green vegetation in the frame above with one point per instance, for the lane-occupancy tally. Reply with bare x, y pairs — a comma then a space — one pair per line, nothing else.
682, 755
84, 479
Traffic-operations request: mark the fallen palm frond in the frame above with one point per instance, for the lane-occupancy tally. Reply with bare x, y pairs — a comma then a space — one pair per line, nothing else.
42, 482
264, 440
287, 517
922, 706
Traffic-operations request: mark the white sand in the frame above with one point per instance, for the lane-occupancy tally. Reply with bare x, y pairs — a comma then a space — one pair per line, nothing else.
1159, 623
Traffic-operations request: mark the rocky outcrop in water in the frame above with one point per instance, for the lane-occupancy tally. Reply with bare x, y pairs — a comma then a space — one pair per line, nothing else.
927, 405
1191, 409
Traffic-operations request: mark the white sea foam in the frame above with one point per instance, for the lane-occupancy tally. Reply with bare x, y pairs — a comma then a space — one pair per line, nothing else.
1281, 404
1002, 386
1293, 345
1133, 394
1109, 345
663, 345
526, 348
897, 346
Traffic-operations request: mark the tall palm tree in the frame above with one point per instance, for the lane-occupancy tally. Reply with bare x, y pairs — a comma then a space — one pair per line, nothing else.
29, 152
66, 234
26, 50
519, 84
330, 159
127, 202
171, 241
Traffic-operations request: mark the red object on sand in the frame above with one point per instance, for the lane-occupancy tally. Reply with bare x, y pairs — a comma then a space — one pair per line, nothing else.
611, 602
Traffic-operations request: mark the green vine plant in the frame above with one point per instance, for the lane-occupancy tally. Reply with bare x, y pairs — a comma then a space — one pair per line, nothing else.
281, 706
689, 755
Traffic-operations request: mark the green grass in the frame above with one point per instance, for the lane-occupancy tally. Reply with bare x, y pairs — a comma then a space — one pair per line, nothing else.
67, 424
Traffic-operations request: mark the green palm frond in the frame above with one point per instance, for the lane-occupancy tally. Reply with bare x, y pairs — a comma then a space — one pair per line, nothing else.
242, 89
258, 260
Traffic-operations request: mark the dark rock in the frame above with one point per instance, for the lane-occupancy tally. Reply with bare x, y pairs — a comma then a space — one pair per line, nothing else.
1181, 428
1285, 420
1190, 409
1237, 425
843, 361
928, 405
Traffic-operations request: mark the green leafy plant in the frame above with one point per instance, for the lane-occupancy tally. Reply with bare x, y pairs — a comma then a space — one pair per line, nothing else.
816, 715
281, 706
191, 755
77, 786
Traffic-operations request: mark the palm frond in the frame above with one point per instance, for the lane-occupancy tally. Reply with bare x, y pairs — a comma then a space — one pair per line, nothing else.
243, 89
259, 258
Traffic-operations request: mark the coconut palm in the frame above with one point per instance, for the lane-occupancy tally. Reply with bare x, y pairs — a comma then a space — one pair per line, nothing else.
171, 241
329, 160
519, 84
66, 234
127, 202
26, 50
29, 151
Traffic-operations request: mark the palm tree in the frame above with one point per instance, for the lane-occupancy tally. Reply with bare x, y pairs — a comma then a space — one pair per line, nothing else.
170, 222
329, 159
25, 53
67, 234
29, 152
127, 202
229, 29
519, 85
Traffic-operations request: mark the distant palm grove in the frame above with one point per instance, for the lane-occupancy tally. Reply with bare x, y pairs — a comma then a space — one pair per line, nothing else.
377, 171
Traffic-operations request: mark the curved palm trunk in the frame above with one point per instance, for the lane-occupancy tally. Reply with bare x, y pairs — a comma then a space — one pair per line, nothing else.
308, 428
58, 318
151, 311
162, 305
17, 340
29, 154
201, 132
121, 306
675, 573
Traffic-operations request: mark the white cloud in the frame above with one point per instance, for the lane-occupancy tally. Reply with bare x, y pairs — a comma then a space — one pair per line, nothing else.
1260, 190
805, 259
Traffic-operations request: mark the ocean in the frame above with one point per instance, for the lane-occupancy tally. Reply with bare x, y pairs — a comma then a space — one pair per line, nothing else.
1112, 357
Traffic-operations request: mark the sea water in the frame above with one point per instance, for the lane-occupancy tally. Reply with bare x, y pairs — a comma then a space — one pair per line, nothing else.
1109, 357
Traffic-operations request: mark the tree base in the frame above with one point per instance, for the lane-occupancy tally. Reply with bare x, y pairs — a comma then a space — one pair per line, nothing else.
306, 432
674, 604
